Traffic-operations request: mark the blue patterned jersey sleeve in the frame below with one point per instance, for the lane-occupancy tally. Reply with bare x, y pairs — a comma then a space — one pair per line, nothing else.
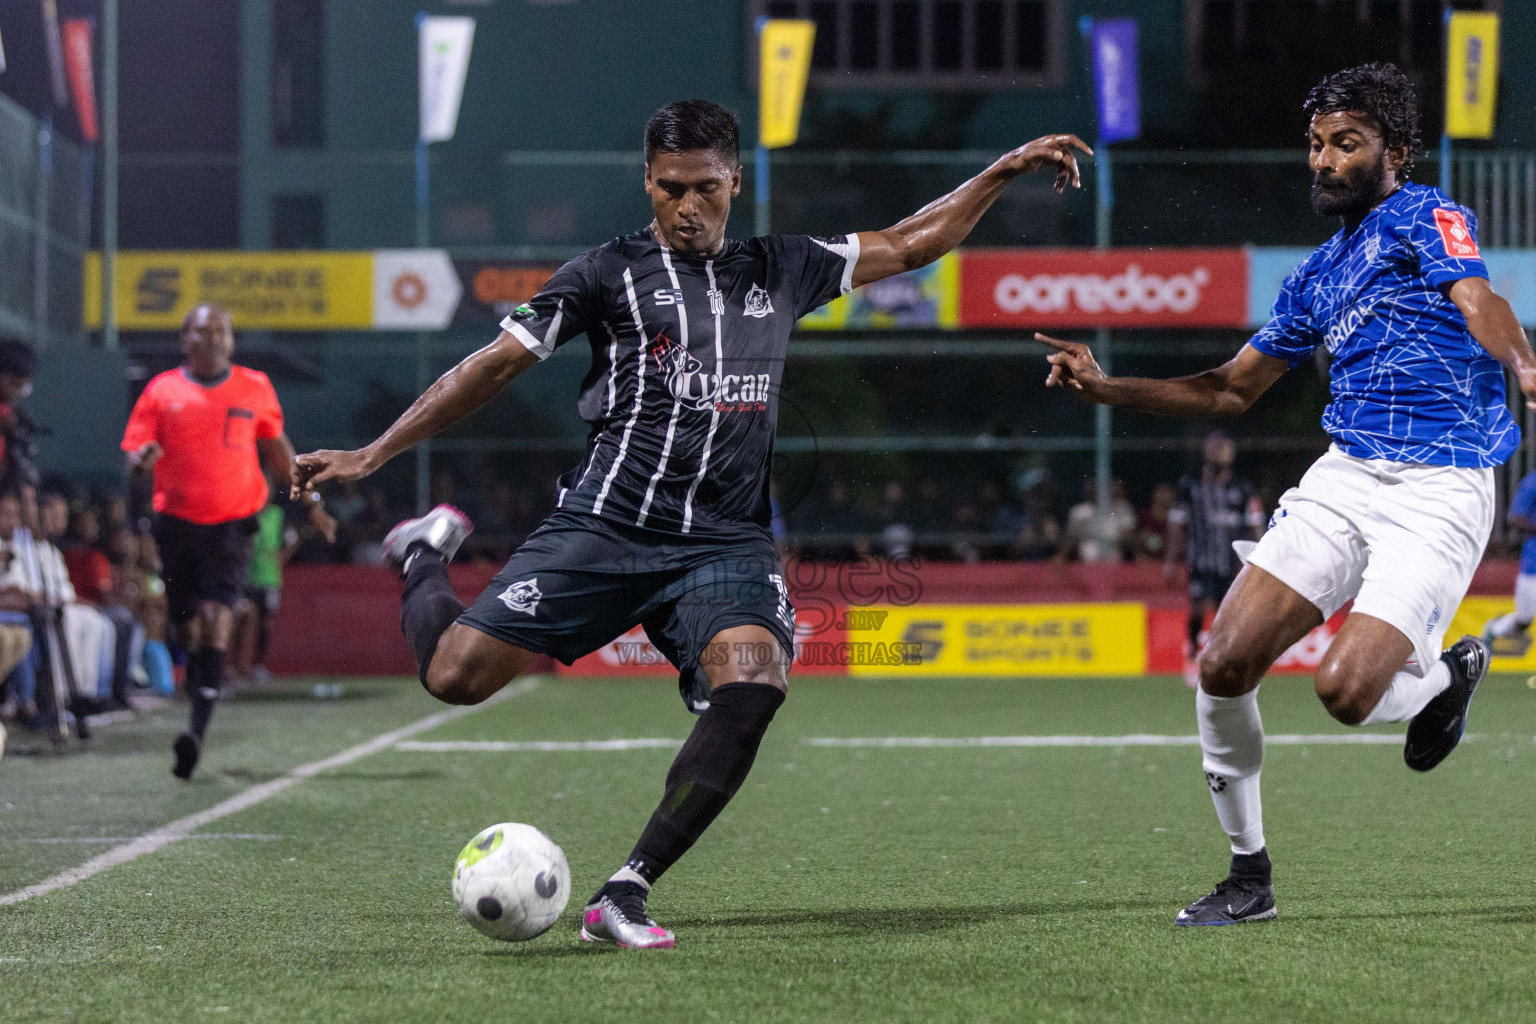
1444, 236
1290, 333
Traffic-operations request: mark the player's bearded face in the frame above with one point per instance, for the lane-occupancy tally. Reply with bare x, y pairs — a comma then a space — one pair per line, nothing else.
1351, 171
691, 195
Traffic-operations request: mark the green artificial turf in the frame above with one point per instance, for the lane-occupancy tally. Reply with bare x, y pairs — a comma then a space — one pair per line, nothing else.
842, 884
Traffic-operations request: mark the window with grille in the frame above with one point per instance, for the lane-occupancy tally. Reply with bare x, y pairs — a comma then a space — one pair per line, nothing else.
962, 44
1411, 30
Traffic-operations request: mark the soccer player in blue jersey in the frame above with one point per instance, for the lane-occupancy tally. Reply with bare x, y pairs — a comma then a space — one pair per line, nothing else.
1396, 514
1510, 635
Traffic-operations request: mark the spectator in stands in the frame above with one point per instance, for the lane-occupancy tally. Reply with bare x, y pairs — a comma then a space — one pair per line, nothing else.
273, 544
18, 702
17, 364
96, 584
136, 562
1039, 535
999, 519
893, 519
1153, 528
90, 637
1090, 537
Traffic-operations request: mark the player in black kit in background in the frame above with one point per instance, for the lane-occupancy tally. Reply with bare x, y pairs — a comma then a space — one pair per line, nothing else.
665, 522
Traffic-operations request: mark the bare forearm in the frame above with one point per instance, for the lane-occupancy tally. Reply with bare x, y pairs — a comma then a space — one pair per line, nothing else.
944, 223
1200, 396
277, 455
454, 395
1497, 329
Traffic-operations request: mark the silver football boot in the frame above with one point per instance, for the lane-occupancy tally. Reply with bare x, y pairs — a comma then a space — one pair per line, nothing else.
617, 914
443, 529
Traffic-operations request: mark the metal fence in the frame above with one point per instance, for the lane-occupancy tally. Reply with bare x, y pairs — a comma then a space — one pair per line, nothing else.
45, 202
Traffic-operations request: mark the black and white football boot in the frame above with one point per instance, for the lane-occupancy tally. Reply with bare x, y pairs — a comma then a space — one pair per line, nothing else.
617, 914
1435, 731
442, 530
1246, 894
1233, 901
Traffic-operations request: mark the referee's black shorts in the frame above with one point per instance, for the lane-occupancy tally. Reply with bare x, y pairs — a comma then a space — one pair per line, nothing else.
579, 581
202, 562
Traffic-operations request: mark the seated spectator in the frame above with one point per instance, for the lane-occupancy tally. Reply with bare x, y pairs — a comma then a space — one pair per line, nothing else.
90, 637
1090, 537
136, 564
1000, 521
893, 517
19, 699
1039, 535
1152, 530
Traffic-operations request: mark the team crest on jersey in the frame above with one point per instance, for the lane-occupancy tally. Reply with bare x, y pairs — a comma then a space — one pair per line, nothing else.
758, 303
522, 597
1372, 248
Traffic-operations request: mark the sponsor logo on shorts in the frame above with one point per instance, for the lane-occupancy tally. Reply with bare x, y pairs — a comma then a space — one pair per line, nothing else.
522, 597
1434, 620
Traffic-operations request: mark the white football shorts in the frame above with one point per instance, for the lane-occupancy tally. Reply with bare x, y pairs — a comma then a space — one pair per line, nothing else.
1525, 597
1400, 539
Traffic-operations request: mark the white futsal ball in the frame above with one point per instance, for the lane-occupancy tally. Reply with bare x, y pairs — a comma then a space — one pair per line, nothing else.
511, 882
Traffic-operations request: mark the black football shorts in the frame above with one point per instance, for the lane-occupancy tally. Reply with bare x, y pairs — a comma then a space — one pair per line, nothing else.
579, 581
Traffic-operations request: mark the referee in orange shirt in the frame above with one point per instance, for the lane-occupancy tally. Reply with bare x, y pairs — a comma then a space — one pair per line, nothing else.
205, 429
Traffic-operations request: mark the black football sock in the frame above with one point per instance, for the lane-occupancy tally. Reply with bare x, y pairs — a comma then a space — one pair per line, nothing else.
428, 606
205, 672
1252, 867
708, 771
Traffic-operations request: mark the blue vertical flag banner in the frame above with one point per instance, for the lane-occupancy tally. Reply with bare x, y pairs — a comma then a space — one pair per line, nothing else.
1116, 71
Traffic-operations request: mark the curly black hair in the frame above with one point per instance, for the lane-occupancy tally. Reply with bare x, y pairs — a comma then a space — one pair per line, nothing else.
1379, 91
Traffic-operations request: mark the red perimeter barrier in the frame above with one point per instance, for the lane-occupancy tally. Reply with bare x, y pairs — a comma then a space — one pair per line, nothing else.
345, 620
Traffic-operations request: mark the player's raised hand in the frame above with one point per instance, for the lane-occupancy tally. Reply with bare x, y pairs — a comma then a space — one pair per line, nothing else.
1049, 151
316, 468
1073, 366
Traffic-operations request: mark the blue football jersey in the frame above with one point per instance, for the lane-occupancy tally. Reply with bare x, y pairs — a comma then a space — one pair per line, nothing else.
1409, 381
1523, 504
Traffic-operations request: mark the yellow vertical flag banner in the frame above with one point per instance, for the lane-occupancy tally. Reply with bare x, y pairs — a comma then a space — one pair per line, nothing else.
784, 62
1471, 74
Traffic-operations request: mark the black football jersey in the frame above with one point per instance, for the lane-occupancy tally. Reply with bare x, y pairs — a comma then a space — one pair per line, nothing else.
687, 358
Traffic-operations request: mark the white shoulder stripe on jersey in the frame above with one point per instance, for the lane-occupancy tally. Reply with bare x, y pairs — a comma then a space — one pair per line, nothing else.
849, 251
677, 403
529, 342
629, 428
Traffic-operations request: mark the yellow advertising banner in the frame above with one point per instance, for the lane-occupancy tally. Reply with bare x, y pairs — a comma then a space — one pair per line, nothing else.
1471, 74
999, 640
280, 291
1473, 615
783, 64
926, 297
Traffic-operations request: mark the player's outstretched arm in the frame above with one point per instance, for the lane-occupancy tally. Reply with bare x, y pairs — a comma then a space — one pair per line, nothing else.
1227, 390
943, 224
476, 380
1494, 324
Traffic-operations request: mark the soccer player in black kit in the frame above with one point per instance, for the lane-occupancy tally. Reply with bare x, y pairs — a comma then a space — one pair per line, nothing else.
666, 521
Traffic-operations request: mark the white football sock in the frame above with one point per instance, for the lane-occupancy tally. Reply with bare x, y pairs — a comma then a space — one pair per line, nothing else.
1408, 694
1504, 625
1232, 740
629, 874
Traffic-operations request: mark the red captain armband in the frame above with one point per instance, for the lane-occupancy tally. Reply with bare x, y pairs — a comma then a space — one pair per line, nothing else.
1459, 242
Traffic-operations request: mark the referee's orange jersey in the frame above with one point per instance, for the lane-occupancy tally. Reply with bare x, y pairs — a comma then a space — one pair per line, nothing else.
210, 471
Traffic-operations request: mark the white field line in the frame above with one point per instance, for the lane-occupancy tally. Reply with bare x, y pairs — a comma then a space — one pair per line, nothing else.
259, 836
508, 746
1133, 740
184, 827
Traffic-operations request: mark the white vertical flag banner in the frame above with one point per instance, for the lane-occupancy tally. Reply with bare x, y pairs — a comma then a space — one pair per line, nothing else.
443, 62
